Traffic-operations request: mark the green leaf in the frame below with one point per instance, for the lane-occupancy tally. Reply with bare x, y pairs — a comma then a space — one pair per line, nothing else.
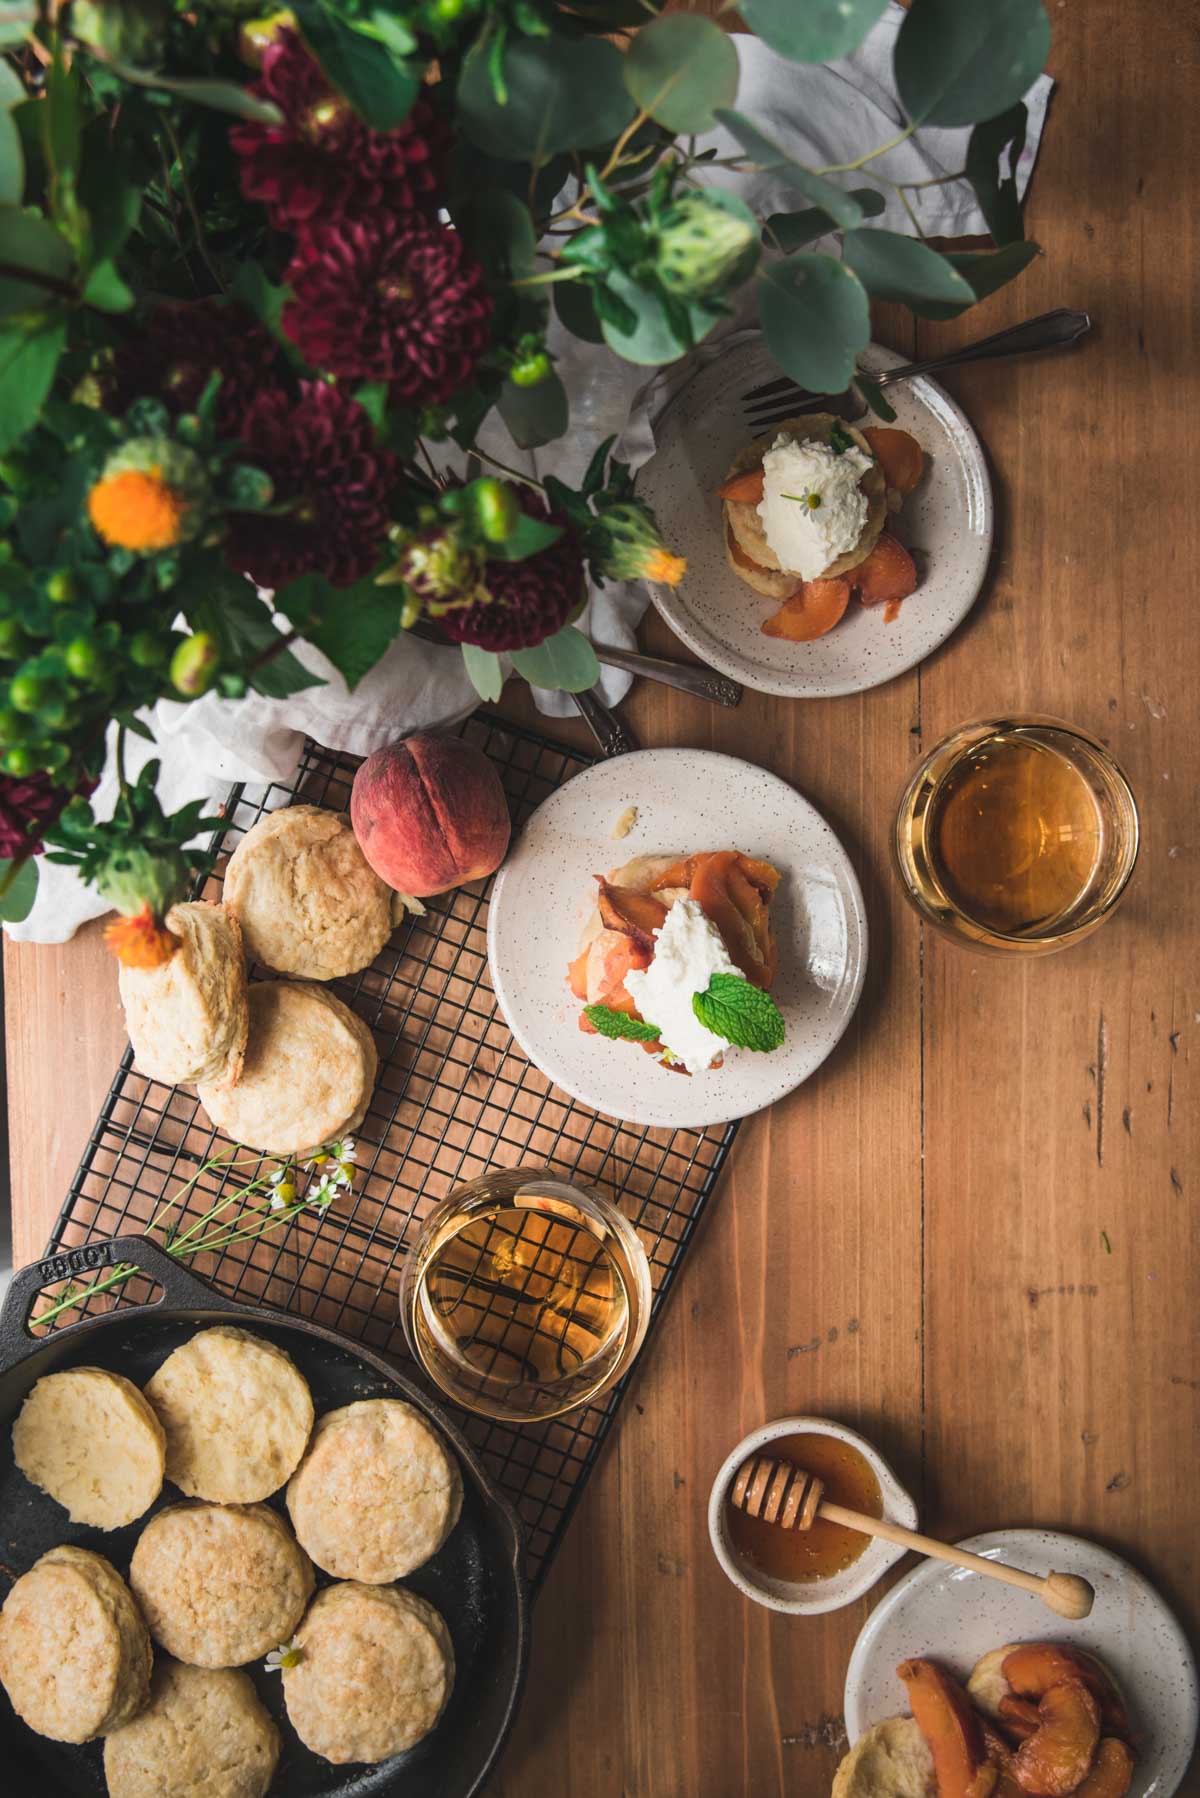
260, 296
62, 116
563, 94
18, 890
16, 22
619, 1025
678, 68
353, 626
997, 196
816, 319
743, 1014
105, 289
108, 190
372, 396
378, 84
534, 415
576, 309
654, 338
793, 230
28, 361
485, 672
838, 202
984, 271
811, 30
959, 61
565, 661
528, 537
28, 242
213, 598
222, 96
893, 267
12, 154
875, 397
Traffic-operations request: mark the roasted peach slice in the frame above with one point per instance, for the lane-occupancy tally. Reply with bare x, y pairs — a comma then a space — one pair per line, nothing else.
577, 974
888, 574
1112, 1771
1019, 1716
743, 489
637, 915
812, 612
1034, 1667
736, 906
996, 1746
899, 456
951, 1729
1059, 1756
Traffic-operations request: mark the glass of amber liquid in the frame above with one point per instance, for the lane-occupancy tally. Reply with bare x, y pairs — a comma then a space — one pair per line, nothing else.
525, 1295
1016, 834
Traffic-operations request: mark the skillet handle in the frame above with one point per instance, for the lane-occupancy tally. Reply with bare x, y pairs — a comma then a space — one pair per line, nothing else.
182, 1289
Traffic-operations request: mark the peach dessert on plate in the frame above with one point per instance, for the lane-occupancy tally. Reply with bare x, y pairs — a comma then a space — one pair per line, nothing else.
678, 957
805, 512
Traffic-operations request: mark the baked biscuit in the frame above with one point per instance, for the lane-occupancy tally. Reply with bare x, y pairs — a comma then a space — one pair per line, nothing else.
89, 1439
308, 1075
743, 524
188, 1019
205, 1734
237, 1414
309, 901
890, 1761
377, 1492
375, 1669
74, 1652
220, 1585
987, 1684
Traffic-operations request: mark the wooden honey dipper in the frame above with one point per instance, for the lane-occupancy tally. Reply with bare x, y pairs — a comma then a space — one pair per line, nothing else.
781, 1493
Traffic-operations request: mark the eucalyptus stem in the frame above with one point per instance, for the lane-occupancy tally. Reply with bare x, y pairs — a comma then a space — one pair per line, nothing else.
860, 162
515, 473
552, 274
119, 759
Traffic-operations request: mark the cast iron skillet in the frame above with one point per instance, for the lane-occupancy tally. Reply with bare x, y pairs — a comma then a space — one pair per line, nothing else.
476, 1580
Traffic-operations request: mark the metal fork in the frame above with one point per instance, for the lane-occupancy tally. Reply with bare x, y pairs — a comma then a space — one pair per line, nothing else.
775, 400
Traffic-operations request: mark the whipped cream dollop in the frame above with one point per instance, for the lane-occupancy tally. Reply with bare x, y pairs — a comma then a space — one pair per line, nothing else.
812, 509
688, 951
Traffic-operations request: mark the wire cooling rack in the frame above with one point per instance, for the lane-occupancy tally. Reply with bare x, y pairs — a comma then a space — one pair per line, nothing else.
455, 1097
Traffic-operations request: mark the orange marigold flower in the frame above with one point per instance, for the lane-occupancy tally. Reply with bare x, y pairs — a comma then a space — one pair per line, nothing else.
137, 510
662, 566
141, 941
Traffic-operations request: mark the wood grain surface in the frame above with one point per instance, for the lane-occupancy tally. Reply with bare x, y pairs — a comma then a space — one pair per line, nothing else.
973, 1233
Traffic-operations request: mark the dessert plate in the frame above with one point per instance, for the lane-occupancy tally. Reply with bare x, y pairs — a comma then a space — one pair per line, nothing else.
687, 800
954, 1616
947, 524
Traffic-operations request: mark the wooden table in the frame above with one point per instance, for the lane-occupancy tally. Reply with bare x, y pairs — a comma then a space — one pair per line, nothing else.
915, 1242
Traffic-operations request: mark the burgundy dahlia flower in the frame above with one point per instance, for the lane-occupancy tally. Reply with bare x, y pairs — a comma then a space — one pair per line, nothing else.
521, 603
336, 483
180, 344
323, 162
27, 805
390, 299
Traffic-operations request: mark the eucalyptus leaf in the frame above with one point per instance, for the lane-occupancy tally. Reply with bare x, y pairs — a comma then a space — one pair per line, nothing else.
679, 68
534, 415
17, 890
105, 289
875, 397
576, 308
654, 339
562, 94
985, 271
811, 30
29, 242
893, 267
566, 662
793, 230
12, 159
838, 202
484, 671
28, 361
379, 85
222, 96
816, 319
12, 90
527, 538
959, 61
16, 22
997, 194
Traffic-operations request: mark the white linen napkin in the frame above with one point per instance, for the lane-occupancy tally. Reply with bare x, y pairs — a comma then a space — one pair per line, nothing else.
820, 115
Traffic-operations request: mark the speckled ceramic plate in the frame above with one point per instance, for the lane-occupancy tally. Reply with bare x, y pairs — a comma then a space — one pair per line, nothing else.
687, 800
947, 524
955, 1616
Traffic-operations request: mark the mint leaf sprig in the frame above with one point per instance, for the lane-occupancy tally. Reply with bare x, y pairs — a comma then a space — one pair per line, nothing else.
742, 1013
614, 1024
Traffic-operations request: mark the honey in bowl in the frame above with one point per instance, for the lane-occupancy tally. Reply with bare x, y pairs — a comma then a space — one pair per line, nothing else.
800, 1556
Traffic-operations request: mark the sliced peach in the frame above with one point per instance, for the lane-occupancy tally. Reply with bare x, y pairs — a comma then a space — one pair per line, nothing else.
899, 456
1112, 1771
577, 974
610, 957
810, 613
1019, 1716
888, 574
682, 873
996, 1746
1058, 1757
637, 915
1034, 1667
743, 489
737, 908
951, 1729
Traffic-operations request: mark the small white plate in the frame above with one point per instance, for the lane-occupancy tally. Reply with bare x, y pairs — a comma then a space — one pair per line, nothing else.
687, 800
955, 1616
947, 523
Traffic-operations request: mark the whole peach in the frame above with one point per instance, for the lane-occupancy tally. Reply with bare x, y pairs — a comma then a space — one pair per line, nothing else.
429, 814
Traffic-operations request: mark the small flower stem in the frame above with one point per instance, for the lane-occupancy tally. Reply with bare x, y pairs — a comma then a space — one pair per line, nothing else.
553, 274
189, 201
119, 759
13, 271
860, 162
618, 150
118, 1276
515, 473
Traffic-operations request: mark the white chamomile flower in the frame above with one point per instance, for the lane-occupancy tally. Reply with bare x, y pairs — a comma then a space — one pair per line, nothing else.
288, 1654
283, 1189
324, 1193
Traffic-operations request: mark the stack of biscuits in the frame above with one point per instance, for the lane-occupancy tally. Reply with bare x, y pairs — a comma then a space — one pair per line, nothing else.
282, 1066
221, 1578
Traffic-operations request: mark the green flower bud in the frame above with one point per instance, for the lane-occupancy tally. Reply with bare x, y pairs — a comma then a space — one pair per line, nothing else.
12, 638
21, 760
146, 650
85, 660
61, 587
441, 570
132, 30
12, 725
531, 371
135, 877
494, 509
194, 664
27, 692
699, 245
624, 544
